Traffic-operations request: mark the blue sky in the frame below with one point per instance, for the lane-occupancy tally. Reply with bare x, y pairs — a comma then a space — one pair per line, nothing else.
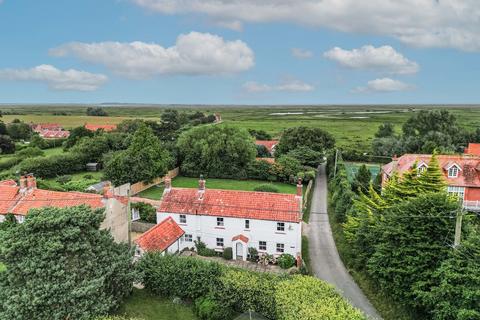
239, 52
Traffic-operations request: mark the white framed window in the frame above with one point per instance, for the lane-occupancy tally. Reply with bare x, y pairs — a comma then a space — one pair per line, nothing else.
20, 218
422, 168
281, 226
457, 191
220, 242
135, 214
188, 237
453, 171
280, 248
247, 224
183, 218
220, 222
262, 245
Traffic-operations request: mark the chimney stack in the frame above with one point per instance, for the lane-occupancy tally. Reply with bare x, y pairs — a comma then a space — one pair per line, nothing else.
168, 185
23, 183
31, 182
299, 188
201, 187
107, 192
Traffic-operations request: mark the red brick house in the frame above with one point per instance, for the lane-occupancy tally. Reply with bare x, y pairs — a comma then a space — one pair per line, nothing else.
461, 172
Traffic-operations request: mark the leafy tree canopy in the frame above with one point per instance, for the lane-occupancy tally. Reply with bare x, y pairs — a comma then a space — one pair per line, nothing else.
19, 130
76, 134
260, 134
314, 138
96, 112
385, 130
7, 145
216, 151
61, 266
144, 160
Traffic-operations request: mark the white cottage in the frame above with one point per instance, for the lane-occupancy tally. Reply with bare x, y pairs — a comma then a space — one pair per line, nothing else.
268, 222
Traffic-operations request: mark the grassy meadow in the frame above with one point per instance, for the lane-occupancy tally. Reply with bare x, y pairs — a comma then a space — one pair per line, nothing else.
352, 126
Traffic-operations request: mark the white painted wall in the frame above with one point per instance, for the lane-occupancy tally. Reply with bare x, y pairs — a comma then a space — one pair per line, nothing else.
206, 228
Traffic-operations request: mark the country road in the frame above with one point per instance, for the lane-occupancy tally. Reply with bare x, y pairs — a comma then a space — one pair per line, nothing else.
325, 260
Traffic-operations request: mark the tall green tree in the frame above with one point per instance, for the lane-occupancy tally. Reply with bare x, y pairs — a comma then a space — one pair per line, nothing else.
61, 266
216, 151
75, 135
362, 179
385, 130
144, 160
456, 293
19, 130
314, 138
6, 144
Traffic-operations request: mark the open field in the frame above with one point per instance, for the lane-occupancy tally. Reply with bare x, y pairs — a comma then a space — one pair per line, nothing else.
352, 126
226, 184
145, 306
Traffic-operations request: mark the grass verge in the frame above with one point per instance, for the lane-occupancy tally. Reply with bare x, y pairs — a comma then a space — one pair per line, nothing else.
143, 305
386, 307
226, 184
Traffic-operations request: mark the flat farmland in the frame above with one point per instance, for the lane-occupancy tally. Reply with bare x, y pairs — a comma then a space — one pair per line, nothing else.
352, 126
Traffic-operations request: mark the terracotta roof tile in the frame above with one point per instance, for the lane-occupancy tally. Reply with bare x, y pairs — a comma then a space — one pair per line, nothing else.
230, 203
269, 144
161, 236
105, 127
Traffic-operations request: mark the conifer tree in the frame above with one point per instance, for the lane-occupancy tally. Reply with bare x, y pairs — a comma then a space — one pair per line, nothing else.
432, 180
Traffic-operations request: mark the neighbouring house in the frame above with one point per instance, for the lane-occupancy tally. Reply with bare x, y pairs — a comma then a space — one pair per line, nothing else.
104, 127
19, 199
461, 172
269, 144
50, 130
268, 222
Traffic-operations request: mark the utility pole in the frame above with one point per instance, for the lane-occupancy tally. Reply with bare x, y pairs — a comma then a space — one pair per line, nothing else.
335, 169
458, 228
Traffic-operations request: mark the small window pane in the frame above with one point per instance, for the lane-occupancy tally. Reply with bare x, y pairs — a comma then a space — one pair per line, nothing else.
280, 247
219, 242
220, 222
280, 226
188, 238
183, 218
262, 245
247, 224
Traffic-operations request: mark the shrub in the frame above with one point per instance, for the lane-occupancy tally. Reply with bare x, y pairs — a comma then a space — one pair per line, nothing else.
261, 170
286, 261
64, 179
48, 167
8, 163
227, 253
266, 188
29, 152
202, 249
244, 291
308, 298
252, 254
87, 176
148, 213
184, 277
209, 309
79, 185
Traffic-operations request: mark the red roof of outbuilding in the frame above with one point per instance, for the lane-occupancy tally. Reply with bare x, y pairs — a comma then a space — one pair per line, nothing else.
232, 203
468, 176
161, 236
50, 134
473, 149
269, 144
104, 127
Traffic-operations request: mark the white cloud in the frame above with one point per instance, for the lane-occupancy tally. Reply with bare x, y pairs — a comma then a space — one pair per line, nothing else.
423, 23
56, 79
302, 53
384, 85
381, 59
286, 86
193, 54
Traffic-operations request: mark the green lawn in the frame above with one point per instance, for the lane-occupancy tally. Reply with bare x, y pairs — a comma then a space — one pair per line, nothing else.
145, 306
352, 168
53, 151
75, 177
226, 184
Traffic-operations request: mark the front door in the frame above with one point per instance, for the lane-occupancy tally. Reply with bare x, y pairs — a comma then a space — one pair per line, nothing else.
239, 250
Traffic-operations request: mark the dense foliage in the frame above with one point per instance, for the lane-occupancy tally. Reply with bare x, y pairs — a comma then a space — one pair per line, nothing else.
315, 139
7, 145
216, 151
96, 111
18, 130
219, 289
47, 167
148, 213
75, 135
144, 159
286, 261
61, 266
260, 134
266, 188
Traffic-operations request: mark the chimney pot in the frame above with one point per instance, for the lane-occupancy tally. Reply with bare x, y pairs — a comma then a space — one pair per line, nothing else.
31, 182
201, 187
23, 183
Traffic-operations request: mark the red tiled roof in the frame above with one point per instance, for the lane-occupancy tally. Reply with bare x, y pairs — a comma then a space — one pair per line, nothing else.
11, 183
11, 201
473, 149
240, 237
468, 176
49, 134
104, 127
269, 144
46, 126
161, 236
236, 204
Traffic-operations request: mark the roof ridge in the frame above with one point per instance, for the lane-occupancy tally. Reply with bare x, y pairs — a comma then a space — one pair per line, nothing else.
243, 191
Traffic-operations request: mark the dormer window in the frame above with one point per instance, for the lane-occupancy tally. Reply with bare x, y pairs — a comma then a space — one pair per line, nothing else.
453, 171
422, 168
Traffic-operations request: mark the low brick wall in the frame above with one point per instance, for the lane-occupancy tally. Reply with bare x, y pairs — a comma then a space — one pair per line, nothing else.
141, 227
